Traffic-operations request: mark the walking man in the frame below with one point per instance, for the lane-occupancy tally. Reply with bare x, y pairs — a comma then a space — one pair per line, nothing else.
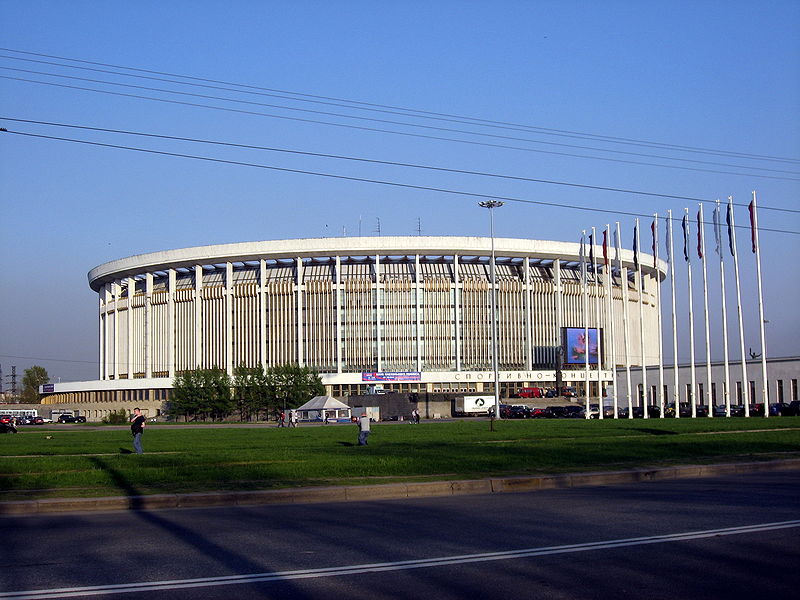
137, 429
363, 429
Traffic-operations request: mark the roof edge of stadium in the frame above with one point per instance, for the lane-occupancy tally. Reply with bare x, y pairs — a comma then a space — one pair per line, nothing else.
347, 246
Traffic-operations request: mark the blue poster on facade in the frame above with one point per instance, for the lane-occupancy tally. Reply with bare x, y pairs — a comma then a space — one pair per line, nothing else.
391, 376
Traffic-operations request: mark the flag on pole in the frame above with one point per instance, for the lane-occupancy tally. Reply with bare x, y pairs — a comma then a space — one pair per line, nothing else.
752, 208
636, 246
685, 225
699, 235
729, 221
654, 245
668, 222
605, 248
590, 266
583, 258
616, 249
717, 229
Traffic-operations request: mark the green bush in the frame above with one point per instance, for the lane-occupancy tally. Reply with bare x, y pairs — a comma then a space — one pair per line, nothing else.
116, 418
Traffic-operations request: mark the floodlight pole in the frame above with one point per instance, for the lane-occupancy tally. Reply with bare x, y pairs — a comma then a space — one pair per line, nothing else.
491, 204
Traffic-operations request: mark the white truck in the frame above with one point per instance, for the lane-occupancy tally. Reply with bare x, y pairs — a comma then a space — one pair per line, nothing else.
473, 405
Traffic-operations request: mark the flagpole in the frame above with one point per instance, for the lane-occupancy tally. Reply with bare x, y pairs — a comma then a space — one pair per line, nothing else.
691, 396
718, 238
641, 321
585, 286
701, 249
757, 250
660, 333
610, 320
593, 254
671, 257
732, 235
624, 283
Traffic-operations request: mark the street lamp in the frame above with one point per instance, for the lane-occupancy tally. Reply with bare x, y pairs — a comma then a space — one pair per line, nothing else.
492, 204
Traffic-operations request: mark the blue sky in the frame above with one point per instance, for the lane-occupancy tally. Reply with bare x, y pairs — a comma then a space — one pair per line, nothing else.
713, 75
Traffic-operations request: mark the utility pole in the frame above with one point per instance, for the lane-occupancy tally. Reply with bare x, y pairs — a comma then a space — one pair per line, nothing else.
13, 381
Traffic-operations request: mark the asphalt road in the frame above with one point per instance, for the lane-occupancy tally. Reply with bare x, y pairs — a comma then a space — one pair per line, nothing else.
731, 537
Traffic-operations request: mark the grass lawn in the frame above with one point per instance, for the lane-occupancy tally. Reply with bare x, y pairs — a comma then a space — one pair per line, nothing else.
84, 463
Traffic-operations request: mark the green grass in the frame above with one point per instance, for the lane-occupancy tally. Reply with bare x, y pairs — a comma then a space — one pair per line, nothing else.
85, 463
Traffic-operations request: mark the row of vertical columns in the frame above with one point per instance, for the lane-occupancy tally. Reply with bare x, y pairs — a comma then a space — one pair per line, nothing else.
378, 313
457, 310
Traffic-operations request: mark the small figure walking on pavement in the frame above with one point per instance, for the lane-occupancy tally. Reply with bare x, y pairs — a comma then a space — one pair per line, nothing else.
363, 429
137, 429
293, 418
282, 419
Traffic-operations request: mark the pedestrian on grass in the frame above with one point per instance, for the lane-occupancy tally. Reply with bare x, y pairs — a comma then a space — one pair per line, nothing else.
415, 416
363, 429
137, 429
282, 419
293, 418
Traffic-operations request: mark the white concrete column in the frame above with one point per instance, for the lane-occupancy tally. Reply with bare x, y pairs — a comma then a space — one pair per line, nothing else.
131, 289
198, 316
528, 307
262, 311
115, 293
148, 327
229, 318
171, 323
378, 313
418, 309
299, 311
457, 309
339, 296
103, 353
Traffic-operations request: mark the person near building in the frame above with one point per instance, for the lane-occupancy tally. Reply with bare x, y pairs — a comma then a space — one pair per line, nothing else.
363, 429
137, 429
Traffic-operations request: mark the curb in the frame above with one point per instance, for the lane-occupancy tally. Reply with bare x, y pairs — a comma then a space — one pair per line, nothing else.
387, 491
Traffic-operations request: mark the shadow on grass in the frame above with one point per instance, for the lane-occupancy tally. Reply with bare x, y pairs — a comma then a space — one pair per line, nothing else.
125, 451
655, 431
346, 443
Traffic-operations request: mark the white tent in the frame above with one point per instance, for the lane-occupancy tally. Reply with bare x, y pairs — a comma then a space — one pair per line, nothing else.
324, 408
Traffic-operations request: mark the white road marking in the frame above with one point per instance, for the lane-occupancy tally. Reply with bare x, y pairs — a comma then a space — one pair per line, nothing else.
177, 584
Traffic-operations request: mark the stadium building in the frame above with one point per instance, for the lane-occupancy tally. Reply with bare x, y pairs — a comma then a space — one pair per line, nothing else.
406, 314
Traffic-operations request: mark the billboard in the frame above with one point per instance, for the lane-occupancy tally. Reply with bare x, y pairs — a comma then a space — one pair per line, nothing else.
575, 345
391, 376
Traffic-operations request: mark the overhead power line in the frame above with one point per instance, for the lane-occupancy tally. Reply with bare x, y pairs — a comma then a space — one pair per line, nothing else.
399, 123
381, 162
393, 132
375, 107
363, 179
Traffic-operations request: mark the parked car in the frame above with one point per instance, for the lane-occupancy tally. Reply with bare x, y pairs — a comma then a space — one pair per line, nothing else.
574, 411
518, 412
530, 392
7, 428
541, 413
737, 410
67, 419
776, 409
594, 411
6, 419
79, 419
719, 410
792, 410
37, 421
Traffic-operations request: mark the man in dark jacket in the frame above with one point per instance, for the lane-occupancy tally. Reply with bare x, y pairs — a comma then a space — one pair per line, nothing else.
137, 429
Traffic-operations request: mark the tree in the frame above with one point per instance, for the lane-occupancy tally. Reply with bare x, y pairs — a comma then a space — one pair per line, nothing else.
202, 393
291, 385
250, 390
31, 380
